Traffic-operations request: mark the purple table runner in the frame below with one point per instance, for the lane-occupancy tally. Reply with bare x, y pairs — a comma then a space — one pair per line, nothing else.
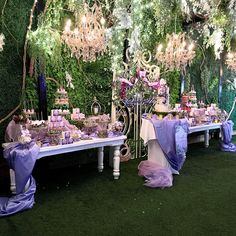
172, 138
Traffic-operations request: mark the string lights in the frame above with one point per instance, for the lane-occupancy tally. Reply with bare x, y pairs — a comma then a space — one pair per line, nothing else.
177, 54
87, 40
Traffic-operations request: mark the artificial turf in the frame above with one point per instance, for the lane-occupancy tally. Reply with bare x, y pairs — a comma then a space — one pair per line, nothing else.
77, 200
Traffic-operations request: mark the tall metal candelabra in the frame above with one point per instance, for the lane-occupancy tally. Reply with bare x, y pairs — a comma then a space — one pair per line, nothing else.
137, 106
138, 98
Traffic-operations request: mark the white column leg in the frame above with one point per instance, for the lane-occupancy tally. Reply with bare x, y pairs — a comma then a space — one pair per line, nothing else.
116, 162
100, 159
12, 181
111, 155
206, 138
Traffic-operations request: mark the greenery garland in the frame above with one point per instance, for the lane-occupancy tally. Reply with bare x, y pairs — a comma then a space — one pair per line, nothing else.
153, 29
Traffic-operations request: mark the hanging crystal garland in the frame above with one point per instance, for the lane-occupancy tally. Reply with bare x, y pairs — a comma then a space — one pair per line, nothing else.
177, 54
87, 40
2, 37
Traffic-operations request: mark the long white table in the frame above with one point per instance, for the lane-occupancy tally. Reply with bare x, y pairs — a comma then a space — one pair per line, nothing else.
147, 131
155, 153
98, 143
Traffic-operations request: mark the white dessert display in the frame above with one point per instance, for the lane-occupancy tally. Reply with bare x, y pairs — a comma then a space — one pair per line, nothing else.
37, 123
77, 115
193, 98
25, 136
62, 101
162, 99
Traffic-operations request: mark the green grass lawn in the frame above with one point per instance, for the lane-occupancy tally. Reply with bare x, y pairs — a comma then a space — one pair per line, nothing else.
77, 200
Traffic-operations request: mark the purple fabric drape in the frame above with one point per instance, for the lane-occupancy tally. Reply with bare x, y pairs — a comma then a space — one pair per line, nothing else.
21, 158
156, 175
227, 131
172, 138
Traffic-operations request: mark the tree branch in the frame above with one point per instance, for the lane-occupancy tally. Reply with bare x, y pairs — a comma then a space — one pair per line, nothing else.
24, 62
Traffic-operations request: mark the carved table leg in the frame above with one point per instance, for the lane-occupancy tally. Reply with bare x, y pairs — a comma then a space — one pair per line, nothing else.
12, 181
116, 162
111, 155
206, 138
100, 159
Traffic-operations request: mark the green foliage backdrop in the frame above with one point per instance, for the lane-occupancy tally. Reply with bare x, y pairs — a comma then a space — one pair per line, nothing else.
13, 24
94, 79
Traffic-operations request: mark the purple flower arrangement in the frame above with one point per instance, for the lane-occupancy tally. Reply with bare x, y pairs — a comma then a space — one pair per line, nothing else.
136, 84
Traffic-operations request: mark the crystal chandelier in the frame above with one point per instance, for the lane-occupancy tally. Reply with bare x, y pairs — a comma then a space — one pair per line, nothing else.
177, 54
2, 37
231, 60
87, 40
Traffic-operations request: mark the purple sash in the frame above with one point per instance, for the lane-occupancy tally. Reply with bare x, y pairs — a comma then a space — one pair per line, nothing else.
227, 131
21, 158
156, 176
172, 138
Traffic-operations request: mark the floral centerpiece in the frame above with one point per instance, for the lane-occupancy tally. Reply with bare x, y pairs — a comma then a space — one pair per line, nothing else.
136, 87
89, 126
139, 80
117, 127
103, 122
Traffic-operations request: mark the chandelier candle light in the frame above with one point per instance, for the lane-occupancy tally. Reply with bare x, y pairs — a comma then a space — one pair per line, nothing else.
87, 40
231, 60
177, 54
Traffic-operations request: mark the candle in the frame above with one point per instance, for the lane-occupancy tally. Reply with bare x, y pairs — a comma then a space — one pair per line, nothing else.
95, 110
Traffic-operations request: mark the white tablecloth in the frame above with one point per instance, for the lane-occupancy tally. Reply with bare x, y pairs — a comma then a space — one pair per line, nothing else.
155, 154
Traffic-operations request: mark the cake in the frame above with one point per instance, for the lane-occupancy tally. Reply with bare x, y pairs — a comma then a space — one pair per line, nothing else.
162, 99
62, 101
77, 115
193, 98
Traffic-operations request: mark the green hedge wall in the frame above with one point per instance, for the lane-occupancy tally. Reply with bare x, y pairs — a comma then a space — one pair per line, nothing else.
90, 79
13, 23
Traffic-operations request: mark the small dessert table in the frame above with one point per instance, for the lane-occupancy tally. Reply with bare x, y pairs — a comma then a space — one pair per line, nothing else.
147, 131
155, 153
99, 143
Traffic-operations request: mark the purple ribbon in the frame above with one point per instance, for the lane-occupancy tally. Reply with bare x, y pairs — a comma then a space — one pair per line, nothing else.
21, 158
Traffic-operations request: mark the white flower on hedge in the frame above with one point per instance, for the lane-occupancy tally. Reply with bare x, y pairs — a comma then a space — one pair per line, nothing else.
123, 17
2, 37
216, 39
69, 81
108, 35
134, 42
185, 8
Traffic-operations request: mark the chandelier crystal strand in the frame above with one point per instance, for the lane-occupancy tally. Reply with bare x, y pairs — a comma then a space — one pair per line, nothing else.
2, 37
87, 40
231, 60
177, 54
